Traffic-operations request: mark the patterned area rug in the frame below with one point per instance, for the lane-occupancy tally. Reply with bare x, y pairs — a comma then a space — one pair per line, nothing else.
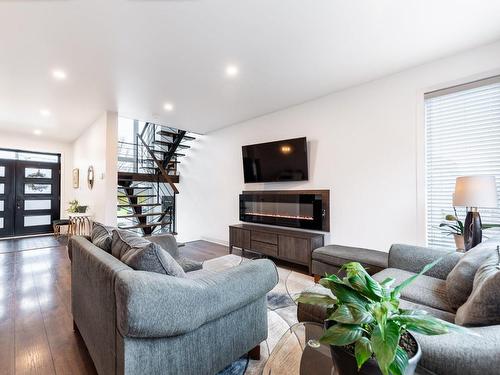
282, 311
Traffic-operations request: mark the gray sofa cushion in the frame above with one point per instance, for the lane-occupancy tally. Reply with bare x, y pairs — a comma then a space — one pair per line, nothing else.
483, 305
144, 255
460, 280
425, 290
169, 243
101, 236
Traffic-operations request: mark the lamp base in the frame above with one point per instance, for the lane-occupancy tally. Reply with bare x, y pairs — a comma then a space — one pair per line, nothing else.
473, 234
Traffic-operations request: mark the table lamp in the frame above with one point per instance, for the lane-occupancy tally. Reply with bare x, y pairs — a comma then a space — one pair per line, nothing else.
474, 192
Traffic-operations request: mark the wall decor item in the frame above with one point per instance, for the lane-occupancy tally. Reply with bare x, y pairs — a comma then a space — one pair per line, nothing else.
90, 177
76, 178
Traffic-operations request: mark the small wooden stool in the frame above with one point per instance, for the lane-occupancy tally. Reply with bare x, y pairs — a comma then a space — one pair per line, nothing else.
57, 224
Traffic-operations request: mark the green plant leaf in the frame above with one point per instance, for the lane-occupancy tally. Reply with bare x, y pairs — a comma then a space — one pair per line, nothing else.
397, 290
425, 324
387, 282
351, 313
398, 366
344, 293
380, 311
362, 351
384, 345
342, 334
316, 299
361, 281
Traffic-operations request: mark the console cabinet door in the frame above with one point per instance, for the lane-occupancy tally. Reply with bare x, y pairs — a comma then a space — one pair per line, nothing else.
240, 238
294, 249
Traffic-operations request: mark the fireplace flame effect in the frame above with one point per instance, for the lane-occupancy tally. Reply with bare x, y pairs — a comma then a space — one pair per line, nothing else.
280, 216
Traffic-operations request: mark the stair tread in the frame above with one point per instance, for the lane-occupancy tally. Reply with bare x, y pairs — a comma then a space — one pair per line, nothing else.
166, 143
139, 196
167, 133
139, 205
135, 187
143, 215
148, 225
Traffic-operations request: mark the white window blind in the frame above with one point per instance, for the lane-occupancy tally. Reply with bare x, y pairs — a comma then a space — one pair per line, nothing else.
462, 138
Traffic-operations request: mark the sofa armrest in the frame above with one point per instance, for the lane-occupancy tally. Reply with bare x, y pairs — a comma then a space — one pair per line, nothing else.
154, 305
458, 353
70, 245
414, 258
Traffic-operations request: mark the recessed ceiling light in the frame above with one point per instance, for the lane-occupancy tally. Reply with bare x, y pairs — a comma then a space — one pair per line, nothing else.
232, 70
37, 132
59, 74
169, 107
45, 112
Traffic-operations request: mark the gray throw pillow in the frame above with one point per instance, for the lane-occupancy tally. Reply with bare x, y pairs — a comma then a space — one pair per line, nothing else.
460, 280
101, 236
142, 255
483, 306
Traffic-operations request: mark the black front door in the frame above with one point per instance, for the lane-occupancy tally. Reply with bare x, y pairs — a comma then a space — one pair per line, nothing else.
31, 197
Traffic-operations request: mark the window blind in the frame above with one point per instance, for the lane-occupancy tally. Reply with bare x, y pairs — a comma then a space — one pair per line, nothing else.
462, 138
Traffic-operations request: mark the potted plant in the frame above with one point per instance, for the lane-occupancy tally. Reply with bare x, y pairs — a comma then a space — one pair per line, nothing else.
74, 207
366, 329
454, 226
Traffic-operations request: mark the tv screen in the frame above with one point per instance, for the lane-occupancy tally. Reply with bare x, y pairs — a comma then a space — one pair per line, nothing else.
276, 161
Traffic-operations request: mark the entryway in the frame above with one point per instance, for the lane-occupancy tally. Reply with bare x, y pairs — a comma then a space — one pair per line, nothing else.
29, 192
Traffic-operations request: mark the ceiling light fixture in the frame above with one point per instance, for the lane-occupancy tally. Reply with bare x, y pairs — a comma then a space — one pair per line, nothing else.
169, 107
58, 74
232, 70
45, 112
37, 132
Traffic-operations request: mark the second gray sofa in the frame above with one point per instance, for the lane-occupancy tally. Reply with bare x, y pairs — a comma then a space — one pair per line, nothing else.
450, 354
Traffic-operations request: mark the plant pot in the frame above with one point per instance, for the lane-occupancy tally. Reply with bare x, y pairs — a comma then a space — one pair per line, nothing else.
81, 209
459, 242
345, 361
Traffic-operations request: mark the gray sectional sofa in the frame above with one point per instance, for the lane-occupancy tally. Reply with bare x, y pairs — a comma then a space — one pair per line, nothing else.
136, 322
454, 353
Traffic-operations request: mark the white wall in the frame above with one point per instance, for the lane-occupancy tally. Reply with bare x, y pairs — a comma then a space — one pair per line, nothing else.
97, 147
366, 146
38, 144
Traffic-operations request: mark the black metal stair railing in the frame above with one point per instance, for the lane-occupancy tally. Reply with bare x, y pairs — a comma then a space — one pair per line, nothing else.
149, 206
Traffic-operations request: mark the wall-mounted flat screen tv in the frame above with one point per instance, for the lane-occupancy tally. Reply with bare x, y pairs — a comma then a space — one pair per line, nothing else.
276, 161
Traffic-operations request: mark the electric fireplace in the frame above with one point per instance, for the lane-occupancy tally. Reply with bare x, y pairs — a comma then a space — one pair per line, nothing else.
305, 209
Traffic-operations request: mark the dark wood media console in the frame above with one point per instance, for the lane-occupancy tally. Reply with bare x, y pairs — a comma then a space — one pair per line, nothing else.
291, 245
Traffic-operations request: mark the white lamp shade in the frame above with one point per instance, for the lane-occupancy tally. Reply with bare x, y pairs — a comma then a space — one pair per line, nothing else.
475, 191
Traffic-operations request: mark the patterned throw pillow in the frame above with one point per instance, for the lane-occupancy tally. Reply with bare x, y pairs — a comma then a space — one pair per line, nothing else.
483, 306
460, 280
143, 255
101, 236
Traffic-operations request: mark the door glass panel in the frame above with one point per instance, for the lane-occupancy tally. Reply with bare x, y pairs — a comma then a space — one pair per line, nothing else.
1, 222
5, 154
37, 157
37, 173
37, 188
31, 221
2, 188
37, 204
1, 205
2, 171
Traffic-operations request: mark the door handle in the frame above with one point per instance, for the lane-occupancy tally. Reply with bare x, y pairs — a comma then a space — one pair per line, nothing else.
19, 204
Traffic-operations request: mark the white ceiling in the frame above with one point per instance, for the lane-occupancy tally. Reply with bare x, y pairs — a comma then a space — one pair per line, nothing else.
132, 56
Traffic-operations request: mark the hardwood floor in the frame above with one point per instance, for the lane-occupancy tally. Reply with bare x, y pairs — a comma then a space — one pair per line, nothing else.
36, 325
